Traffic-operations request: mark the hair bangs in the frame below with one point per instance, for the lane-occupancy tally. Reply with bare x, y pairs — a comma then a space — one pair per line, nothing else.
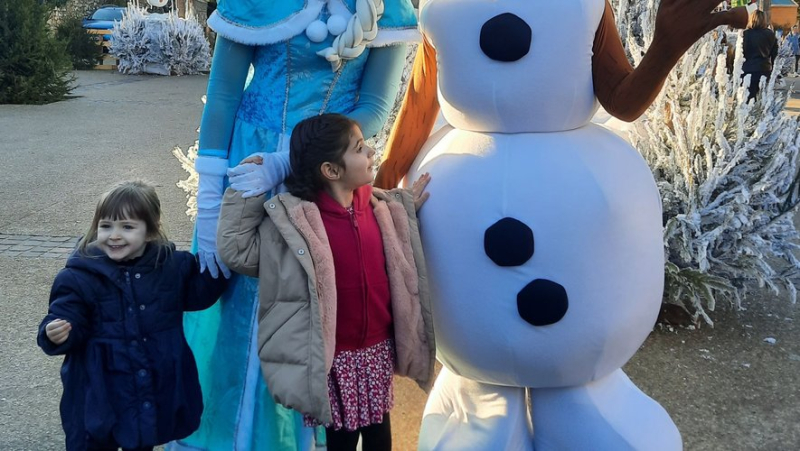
123, 204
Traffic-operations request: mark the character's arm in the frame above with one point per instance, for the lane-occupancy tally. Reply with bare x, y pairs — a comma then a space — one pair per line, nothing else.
414, 122
626, 92
225, 86
379, 86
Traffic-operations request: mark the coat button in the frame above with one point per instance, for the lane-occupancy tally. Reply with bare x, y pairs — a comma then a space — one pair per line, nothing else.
301, 252
138, 276
146, 404
397, 195
142, 307
142, 373
271, 205
130, 309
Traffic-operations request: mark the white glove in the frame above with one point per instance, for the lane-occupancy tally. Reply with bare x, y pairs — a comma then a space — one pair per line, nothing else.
256, 179
209, 198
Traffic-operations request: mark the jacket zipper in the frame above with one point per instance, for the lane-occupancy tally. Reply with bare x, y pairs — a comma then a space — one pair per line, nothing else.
364, 297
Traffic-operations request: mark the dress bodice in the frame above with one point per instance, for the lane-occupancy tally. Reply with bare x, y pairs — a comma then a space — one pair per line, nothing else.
290, 82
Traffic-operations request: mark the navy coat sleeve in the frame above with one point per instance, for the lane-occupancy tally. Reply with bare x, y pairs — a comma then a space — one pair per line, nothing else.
67, 303
201, 290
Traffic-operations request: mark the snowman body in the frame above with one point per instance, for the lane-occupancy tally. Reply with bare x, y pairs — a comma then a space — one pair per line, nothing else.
543, 239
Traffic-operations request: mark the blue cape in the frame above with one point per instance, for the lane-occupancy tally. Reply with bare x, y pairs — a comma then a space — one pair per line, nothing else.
262, 22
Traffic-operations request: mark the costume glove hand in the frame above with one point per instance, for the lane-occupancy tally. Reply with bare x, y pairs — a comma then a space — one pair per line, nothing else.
254, 179
209, 198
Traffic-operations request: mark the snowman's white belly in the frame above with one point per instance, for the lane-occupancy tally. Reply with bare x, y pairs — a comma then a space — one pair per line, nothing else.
594, 211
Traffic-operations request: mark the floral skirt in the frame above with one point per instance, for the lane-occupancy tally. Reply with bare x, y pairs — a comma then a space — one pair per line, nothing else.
360, 386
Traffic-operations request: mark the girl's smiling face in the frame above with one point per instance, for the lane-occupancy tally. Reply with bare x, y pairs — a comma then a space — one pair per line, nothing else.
358, 162
123, 239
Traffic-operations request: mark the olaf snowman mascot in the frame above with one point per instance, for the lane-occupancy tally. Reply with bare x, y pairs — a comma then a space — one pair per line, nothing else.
543, 231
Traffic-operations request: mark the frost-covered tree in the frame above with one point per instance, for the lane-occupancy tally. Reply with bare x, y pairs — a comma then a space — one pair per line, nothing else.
725, 169
159, 43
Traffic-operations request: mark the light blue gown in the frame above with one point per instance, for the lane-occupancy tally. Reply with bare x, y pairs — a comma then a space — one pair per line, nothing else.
288, 83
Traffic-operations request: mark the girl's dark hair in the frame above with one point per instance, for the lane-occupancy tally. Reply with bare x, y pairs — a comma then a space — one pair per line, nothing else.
128, 200
314, 141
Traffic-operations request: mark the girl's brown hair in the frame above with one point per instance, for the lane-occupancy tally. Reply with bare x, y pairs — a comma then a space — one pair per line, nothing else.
757, 20
133, 199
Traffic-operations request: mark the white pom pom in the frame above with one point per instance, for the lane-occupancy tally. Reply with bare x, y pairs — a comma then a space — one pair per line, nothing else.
337, 24
317, 31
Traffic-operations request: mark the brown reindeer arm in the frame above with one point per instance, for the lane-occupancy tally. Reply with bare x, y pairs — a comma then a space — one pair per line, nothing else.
626, 92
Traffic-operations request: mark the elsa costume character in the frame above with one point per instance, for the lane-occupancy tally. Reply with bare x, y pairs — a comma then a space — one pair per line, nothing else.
307, 57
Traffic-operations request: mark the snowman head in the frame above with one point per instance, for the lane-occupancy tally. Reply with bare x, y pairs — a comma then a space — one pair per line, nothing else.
514, 66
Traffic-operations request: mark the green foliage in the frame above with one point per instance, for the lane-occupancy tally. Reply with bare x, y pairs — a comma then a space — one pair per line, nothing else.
83, 48
34, 65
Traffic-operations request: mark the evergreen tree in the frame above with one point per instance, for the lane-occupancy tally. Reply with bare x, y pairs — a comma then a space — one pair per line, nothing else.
83, 48
34, 64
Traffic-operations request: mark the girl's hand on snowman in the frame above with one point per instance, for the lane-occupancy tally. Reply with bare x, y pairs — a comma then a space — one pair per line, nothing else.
418, 190
58, 331
680, 23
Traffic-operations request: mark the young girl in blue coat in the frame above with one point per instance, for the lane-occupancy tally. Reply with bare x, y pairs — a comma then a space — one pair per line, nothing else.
116, 310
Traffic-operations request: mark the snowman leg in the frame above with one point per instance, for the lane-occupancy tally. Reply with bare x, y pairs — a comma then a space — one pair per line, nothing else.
465, 414
607, 414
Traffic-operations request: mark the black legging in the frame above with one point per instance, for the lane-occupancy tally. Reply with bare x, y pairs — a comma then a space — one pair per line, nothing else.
755, 78
375, 437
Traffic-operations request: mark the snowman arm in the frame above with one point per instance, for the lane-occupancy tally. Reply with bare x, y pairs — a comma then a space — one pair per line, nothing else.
415, 120
626, 92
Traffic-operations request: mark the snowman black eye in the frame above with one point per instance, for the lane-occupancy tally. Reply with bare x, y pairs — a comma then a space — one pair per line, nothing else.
506, 38
508, 242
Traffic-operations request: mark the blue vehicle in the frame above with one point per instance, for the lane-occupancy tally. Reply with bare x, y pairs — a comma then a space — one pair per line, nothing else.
103, 18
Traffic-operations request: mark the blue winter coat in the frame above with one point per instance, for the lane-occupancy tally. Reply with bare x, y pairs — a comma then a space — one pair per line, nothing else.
129, 377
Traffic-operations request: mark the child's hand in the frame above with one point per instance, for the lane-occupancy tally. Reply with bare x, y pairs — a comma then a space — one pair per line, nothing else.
255, 159
58, 330
418, 190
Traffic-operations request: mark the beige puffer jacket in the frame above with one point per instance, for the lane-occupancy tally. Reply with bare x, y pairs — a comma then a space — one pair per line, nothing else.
283, 242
